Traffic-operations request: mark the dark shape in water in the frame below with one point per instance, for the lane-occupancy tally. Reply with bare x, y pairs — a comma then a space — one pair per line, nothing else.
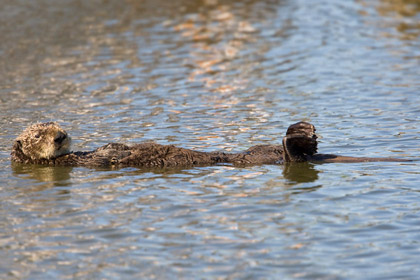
48, 144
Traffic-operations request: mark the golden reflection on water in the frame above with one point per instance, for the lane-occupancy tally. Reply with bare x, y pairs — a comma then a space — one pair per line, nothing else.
400, 8
403, 15
405, 12
218, 33
205, 29
86, 223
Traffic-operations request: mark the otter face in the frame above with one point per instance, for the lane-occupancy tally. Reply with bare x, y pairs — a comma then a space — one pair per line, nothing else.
43, 141
300, 142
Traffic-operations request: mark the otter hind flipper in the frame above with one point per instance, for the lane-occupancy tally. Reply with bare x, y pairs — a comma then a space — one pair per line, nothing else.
328, 158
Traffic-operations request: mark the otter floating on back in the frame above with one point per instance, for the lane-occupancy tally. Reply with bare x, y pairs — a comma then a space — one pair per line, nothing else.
48, 144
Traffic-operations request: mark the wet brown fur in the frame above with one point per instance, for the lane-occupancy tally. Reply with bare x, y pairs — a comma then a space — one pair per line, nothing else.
299, 145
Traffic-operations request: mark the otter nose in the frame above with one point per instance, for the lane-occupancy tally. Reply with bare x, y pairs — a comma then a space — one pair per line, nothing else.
60, 138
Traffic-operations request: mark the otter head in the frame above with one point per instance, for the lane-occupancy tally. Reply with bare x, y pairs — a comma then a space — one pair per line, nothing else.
41, 141
299, 142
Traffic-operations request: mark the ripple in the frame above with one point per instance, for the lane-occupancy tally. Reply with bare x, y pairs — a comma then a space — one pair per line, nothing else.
212, 75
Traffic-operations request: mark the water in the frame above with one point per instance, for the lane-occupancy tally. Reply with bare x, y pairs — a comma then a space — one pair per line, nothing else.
213, 75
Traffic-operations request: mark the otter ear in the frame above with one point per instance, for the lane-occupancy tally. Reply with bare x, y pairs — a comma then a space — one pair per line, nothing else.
18, 143
17, 147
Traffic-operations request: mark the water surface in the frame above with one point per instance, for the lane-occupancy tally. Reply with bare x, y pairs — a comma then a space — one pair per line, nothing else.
212, 75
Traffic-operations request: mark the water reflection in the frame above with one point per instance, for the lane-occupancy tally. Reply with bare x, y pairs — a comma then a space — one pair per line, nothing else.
218, 33
304, 172
406, 14
295, 173
406, 8
57, 175
212, 75
60, 175
403, 15
143, 69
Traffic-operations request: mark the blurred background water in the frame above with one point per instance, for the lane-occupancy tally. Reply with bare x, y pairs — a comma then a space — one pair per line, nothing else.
213, 75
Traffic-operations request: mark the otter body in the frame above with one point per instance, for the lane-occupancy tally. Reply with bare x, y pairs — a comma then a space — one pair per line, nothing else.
156, 155
48, 144
117, 154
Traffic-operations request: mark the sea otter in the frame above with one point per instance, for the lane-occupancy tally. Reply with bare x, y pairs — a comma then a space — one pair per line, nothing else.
49, 144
